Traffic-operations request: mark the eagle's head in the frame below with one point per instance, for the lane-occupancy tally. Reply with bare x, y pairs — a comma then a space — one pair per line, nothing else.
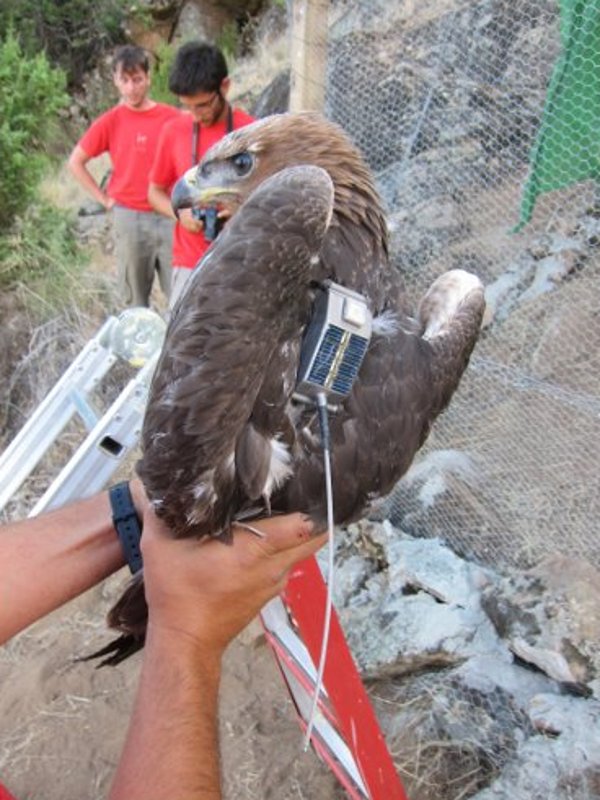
355, 249
240, 162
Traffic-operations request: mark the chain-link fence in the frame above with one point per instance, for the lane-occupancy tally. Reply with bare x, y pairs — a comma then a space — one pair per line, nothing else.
462, 110
481, 121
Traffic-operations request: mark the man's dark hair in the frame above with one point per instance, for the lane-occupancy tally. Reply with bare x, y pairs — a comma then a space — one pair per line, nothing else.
131, 58
198, 67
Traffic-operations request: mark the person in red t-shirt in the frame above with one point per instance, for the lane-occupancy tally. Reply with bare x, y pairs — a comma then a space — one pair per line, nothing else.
200, 80
129, 133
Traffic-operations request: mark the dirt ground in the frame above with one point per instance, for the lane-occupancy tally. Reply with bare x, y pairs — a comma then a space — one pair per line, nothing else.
62, 722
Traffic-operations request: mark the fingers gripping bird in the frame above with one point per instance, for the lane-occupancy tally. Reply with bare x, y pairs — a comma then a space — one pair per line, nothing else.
223, 438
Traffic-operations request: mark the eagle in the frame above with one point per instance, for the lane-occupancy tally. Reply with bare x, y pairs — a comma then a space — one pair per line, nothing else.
224, 437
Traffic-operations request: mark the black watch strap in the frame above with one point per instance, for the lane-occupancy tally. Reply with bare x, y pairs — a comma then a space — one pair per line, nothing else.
127, 524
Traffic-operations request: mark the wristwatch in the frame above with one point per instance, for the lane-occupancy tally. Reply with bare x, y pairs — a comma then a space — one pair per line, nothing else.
127, 524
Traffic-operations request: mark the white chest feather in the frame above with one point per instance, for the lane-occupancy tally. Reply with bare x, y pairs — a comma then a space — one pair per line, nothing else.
280, 467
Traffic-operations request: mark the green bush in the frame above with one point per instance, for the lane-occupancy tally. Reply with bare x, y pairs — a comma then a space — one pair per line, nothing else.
31, 94
41, 255
165, 56
229, 42
72, 33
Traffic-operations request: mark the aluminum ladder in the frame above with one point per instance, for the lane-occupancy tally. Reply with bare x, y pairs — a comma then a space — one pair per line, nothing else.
135, 336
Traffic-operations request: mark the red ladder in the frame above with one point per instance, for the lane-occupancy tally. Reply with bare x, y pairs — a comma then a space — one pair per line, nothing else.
346, 733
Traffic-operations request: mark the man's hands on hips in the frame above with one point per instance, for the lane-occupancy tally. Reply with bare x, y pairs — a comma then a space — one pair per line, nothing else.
209, 591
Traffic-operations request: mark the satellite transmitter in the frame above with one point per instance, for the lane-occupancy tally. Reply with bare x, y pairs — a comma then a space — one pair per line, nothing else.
334, 345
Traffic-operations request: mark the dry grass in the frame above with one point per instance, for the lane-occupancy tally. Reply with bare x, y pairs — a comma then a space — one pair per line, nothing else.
62, 190
432, 765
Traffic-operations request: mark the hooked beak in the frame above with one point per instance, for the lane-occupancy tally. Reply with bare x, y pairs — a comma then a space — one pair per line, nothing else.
188, 194
184, 193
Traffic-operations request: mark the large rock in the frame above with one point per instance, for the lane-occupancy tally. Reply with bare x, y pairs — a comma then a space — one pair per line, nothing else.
200, 19
447, 680
400, 634
410, 605
275, 98
550, 618
562, 764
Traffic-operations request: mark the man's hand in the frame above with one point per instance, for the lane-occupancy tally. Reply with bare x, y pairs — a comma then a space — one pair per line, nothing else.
189, 221
209, 591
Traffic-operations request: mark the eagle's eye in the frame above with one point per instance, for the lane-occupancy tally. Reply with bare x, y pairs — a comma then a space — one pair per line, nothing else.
242, 163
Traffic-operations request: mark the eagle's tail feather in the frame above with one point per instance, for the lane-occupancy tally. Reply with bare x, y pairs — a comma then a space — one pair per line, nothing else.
117, 650
130, 613
129, 616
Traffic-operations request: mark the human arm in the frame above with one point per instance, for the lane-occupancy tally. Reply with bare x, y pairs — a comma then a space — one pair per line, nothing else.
77, 165
47, 560
200, 596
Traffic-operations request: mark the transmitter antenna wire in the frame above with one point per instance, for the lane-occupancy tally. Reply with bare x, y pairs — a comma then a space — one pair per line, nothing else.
325, 441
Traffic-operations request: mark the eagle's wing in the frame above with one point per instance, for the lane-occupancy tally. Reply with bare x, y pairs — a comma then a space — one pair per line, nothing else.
407, 378
221, 382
